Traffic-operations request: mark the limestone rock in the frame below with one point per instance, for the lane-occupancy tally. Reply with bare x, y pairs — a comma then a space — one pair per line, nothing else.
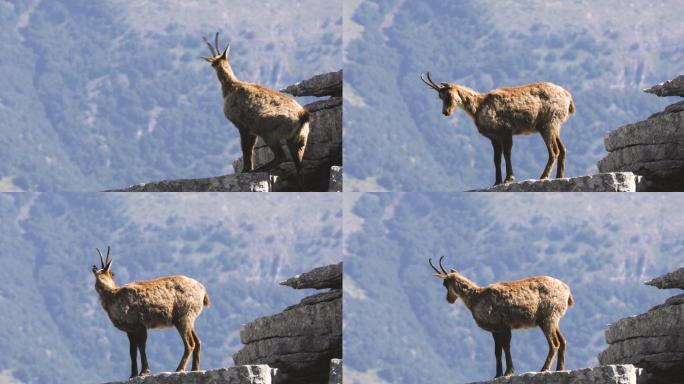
617, 374
327, 84
669, 280
335, 184
329, 276
300, 341
335, 371
674, 87
653, 148
244, 374
244, 182
653, 341
602, 182
323, 149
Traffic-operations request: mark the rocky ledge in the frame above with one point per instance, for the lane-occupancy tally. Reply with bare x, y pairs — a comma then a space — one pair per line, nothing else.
324, 145
242, 182
653, 340
615, 374
602, 182
302, 341
245, 374
653, 148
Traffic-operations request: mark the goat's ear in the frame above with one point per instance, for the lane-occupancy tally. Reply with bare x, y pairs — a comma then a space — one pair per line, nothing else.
94, 269
439, 275
207, 59
108, 267
452, 270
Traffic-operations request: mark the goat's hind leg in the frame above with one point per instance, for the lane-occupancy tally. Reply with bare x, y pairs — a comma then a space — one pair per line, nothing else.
185, 331
560, 366
278, 155
549, 330
196, 351
549, 137
560, 172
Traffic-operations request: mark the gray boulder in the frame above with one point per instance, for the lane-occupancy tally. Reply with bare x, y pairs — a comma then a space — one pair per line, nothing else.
327, 84
602, 182
335, 371
653, 340
653, 148
245, 182
245, 374
615, 374
300, 341
335, 184
329, 276
669, 280
674, 87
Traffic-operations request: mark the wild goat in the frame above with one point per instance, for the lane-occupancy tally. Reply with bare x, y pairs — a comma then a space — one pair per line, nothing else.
500, 307
504, 112
165, 302
258, 111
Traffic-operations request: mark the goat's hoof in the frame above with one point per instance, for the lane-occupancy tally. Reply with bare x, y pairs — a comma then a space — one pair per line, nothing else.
145, 372
508, 374
509, 179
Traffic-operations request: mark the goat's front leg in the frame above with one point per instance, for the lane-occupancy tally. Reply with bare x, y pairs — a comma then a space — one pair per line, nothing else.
133, 342
507, 143
142, 341
497, 353
496, 145
247, 141
506, 344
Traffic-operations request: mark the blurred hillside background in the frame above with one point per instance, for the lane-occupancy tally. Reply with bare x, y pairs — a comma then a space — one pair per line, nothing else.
103, 94
53, 329
399, 327
603, 52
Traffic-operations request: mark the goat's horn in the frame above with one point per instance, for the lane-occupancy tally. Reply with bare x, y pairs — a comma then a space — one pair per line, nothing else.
218, 52
440, 265
428, 84
433, 83
109, 261
433, 267
101, 259
211, 49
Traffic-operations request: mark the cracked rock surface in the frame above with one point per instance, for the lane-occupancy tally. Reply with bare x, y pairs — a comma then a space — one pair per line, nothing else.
244, 182
616, 374
653, 340
246, 374
602, 182
300, 341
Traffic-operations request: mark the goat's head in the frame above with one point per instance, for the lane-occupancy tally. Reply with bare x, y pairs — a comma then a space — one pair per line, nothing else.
104, 277
447, 92
449, 278
217, 59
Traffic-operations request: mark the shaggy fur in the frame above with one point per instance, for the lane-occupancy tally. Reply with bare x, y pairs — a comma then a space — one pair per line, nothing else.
505, 112
498, 308
174, 301
258, 111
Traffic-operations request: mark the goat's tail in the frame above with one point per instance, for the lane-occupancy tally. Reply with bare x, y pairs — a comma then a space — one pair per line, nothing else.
305, 117
571, 109
571, 301
206, 301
